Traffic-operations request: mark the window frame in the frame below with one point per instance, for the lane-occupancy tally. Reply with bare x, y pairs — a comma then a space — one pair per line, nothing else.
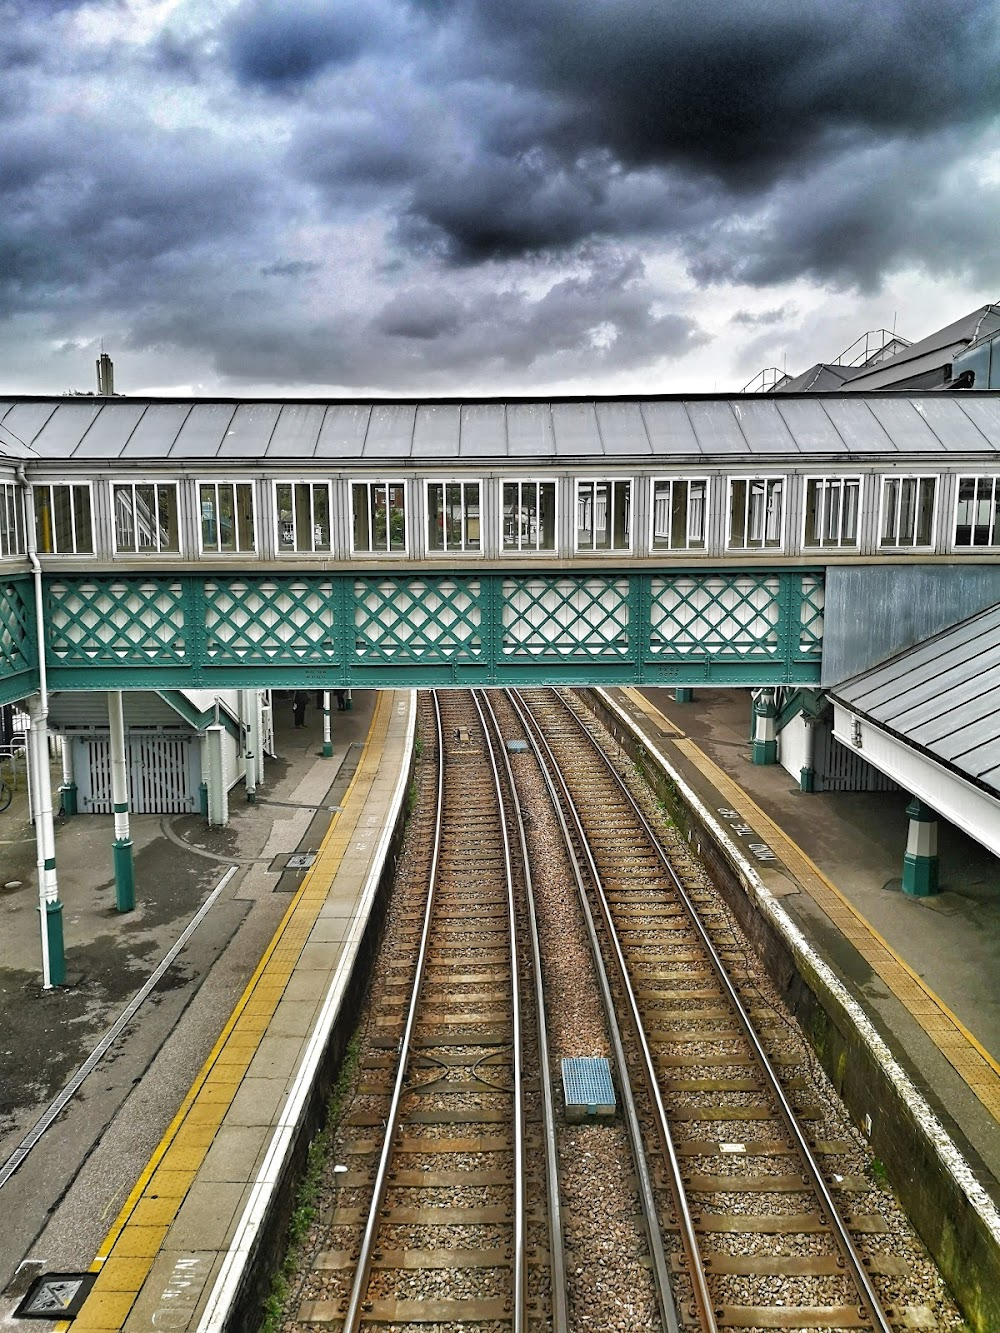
218, 549
71, 486
12, 507
284, 552
887, 478
611, 481
147, 550
824, 479
435, 552
995, 518
389, 553
781, 546
520, 549
671, 481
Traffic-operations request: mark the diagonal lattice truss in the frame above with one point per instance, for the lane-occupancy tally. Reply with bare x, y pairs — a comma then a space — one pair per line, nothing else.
18, 642
566, 617
811, 617
92, 621
733, 615
409, 618
280, 620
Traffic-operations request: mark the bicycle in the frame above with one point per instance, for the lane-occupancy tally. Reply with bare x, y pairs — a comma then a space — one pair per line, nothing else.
6, 794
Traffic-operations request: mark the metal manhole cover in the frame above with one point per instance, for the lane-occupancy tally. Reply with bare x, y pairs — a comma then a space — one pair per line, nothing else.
517, 747
300, 861
56, 1296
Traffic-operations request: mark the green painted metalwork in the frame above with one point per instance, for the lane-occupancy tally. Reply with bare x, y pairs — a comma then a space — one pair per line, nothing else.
18, 640
190, 631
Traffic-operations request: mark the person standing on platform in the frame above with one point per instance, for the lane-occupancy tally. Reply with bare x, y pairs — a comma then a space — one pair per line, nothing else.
341, 700
299, 700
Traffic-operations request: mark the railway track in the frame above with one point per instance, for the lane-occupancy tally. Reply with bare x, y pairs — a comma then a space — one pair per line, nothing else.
539, 920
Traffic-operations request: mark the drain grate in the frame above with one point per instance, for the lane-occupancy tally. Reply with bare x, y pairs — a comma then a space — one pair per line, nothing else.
56, 1296
517, 747
300, 861
587, 1088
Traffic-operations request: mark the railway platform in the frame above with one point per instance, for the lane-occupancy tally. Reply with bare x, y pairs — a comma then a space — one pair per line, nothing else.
233, 1032
921, 968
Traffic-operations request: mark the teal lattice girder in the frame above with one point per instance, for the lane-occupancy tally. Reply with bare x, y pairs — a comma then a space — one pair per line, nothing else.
619, 626
18, 639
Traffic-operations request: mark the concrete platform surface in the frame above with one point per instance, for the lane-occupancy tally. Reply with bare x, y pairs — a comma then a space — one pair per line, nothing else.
59, 1204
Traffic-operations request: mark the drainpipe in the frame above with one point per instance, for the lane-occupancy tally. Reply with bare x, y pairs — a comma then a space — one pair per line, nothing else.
49, 906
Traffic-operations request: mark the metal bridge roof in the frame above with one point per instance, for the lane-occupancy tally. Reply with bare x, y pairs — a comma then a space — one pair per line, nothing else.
812, 426
943, 696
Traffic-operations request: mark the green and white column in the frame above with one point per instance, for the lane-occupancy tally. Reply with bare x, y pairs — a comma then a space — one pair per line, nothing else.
764, 747
327, 732
920, 864
807, 773
49, 906
122, 845
67, 792
683, 694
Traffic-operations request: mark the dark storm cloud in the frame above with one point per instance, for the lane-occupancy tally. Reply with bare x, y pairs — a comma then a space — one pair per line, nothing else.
272, 43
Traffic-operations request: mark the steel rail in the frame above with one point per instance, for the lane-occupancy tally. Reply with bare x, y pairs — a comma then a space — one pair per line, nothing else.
841, 1235
520, 1258
541, 749
352, 1317
557, 1254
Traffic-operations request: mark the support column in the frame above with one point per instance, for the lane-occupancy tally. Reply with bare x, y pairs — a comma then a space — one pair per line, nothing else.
327, 733
49, 906
122, 846
807, 774
203, 785
764, 749
218, 793
920, 864
67, 792
683, 694
250, 713
348, 701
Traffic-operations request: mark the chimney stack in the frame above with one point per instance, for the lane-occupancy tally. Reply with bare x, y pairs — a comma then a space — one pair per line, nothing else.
105, 376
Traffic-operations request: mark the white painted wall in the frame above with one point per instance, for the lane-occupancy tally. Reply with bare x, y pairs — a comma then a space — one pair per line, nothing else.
967, 807
792, 747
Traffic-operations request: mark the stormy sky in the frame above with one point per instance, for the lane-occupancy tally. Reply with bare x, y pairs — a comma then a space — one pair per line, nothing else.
486, 196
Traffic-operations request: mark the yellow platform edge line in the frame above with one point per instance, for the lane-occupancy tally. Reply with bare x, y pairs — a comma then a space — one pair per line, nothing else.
718, 776
376, 732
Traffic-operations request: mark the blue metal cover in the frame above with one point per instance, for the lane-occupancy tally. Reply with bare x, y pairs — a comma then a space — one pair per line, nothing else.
587, 1084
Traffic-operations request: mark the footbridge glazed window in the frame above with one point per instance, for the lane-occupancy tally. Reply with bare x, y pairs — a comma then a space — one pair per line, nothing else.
64, 520
604, 515
907, 511
379, 517
302, 515
11, 522
832, 505
679, 508
453, 516
145, 517
227, 516
977, 516
529, 516
756, 513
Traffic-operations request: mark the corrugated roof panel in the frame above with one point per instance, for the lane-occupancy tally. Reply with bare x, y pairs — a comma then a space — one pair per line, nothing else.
250, 430
157, 431
978, 760
984, 413
669, 429
857, 427
909, 431
436, 431
203, 431
575, 427
811, 428
109, 434
622, 429
66, 427
483, 430
529, 430
764, 427
25, 420
390, 430
954, 429
943, 714
343, 432
297, 430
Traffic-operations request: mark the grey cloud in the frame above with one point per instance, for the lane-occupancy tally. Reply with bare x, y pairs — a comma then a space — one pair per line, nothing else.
276, 45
